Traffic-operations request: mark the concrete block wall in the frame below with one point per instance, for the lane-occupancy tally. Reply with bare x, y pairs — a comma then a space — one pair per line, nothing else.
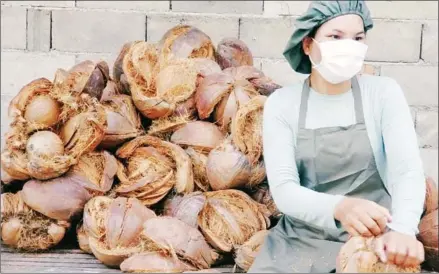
40, 36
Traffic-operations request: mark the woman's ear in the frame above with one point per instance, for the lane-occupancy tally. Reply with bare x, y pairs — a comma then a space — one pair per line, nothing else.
306, 44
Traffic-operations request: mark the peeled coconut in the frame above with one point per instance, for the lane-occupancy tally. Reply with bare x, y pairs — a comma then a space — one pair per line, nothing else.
229, 218
232, 52
25, 229
150, 168
358, 256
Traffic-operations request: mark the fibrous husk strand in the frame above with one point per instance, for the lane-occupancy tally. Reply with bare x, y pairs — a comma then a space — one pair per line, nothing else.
246, 253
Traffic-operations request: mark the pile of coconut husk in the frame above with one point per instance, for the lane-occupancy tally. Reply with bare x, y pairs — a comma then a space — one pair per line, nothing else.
158, 167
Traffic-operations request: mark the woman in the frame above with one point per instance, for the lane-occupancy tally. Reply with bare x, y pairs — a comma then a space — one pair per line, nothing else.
341, 151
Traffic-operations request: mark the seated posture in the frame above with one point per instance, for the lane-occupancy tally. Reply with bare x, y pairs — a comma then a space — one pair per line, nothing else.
340, 150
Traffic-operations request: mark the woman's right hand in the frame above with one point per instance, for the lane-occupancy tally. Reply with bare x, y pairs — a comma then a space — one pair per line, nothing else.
360, 217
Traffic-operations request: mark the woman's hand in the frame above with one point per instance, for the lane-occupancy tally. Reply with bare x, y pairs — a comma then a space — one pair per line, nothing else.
360, 217
399, 249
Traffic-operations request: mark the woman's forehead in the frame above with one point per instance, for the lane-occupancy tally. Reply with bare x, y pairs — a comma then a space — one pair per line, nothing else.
349, 24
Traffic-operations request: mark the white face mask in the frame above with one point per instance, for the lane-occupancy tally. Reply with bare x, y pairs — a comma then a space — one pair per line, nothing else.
341, 59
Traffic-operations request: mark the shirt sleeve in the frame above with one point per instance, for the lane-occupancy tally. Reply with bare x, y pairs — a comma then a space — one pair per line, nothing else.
289, 196
405, 174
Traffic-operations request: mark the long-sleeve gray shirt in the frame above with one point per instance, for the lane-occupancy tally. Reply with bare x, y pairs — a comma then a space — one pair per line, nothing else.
391, 133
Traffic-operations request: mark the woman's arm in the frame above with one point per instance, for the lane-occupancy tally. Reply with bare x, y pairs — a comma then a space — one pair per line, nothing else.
405, 174
291, 198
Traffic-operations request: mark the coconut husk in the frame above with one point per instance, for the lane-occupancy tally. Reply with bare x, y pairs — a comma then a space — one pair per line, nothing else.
184, 41
246, 253
428, 235
88, 77
232, 52
199, 162
118, 73
184, 182
123, 121
164, 127
82, 239
203, 136
154, 262
229, 218
227, 167
187, 242
358, 256
113, 228
262, 195
26, 229
265, 85
185, 208
431, 196
8, 163
110, 90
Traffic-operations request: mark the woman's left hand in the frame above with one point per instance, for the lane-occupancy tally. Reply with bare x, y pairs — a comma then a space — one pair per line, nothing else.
399, 249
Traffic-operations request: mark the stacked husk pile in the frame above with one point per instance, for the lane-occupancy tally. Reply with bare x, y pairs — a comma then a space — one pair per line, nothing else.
157, 168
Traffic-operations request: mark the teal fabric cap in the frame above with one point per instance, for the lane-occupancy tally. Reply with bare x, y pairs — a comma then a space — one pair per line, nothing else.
317, 14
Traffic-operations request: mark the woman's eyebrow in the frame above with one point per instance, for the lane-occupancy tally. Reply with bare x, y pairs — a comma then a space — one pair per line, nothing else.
342, 32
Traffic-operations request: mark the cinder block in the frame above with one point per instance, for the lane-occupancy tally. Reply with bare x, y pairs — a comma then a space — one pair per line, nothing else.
379, 9
13, 28
430, 42
216, 27
126, 5
272, 8
427, 128
404, 9
20, 68
95, 31
266, 37
59, 4
391, 41
239, 7
38, 30
281, 72
419, 83
430, 161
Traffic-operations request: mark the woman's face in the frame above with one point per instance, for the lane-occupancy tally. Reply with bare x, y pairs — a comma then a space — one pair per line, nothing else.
348, 26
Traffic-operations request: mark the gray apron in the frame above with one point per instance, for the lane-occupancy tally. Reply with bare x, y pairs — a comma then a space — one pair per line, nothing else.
333, 160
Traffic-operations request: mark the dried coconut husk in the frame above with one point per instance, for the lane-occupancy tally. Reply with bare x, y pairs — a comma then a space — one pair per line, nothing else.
25, 229
151, 168
428, 235
185, 208
82, 239
223, 93
187, 242
140, 68
229, 218
232, 52
113, 227
203, 136
5, 177
118, 72
110, 90
247, 128
265, 85
431, 196
88, 77
246, 253
358, 256
123, 121
165, 126
227, 167
262, 195
13, 163
184, 41
154, 262
199, 163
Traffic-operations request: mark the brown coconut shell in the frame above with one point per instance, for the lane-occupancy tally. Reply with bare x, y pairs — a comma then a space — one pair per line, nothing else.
262, 195
428, 235
118, 73
431, 196
123, 121
187, 242
203, 136
229, 218
246, 253
227, 167
110, 90
185, 208
26, 229
184, 41
183, 177
232, 52
358, 256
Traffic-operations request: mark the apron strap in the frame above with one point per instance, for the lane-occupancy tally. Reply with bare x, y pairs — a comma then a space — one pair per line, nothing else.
356, 92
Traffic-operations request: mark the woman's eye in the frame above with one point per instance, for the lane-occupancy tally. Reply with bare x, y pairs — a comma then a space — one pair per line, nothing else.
335, 36
359, 38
